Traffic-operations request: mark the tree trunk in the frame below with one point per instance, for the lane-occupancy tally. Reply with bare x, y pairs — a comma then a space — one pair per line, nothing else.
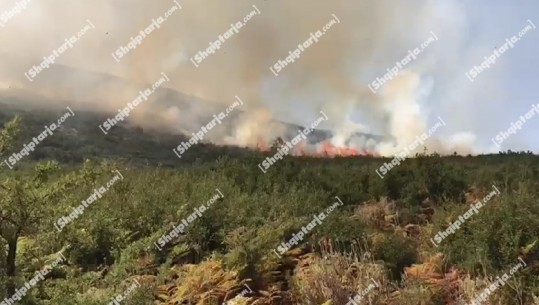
11, 268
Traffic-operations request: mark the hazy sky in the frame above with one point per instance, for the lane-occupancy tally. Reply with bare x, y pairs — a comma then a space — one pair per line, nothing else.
332, 75
517, 88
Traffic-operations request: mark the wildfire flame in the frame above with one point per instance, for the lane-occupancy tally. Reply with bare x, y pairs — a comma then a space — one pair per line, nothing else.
328, 150
324, 149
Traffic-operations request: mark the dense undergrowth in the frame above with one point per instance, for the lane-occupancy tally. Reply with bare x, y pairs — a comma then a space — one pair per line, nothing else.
382, 232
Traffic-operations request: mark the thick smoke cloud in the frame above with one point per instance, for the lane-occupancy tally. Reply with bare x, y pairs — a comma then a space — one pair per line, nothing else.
331, 75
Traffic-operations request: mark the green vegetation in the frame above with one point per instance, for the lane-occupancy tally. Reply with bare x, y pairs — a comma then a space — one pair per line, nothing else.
382, 232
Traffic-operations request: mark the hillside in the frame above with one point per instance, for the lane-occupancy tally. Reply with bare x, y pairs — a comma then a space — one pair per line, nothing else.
377, 239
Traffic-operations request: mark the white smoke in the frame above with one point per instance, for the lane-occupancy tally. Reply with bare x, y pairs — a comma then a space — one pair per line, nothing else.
332, 75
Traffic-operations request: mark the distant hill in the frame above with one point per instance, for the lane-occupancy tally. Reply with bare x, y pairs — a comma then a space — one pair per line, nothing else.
81, 138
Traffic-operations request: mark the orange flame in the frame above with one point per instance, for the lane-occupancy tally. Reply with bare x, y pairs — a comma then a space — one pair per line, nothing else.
261, 146
324, 150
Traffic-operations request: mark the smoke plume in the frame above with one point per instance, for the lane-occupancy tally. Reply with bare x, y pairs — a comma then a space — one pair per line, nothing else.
332, 75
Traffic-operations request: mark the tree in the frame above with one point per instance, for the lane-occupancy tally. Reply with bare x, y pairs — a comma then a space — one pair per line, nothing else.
6, 231
22, 205
6, 135
25, 199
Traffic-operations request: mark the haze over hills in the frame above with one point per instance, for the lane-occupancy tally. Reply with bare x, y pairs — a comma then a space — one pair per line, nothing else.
81, 138
333, 76
259, 152
41, 106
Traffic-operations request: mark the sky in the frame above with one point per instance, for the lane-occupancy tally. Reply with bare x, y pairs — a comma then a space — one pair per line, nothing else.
333, 75
516, 88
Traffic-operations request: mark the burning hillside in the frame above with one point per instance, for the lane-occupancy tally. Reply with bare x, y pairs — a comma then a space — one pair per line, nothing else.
352, 39
324, 149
